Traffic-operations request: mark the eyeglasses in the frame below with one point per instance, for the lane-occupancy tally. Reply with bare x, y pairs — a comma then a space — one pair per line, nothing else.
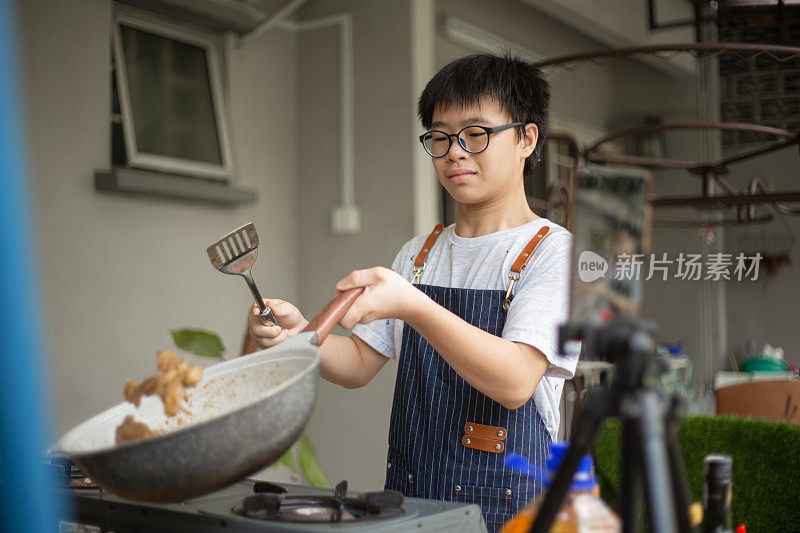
473, 139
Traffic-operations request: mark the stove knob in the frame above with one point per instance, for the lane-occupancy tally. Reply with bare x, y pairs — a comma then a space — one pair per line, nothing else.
508, 492
458, 488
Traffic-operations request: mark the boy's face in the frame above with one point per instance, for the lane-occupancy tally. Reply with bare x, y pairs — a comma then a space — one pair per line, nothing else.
490, 177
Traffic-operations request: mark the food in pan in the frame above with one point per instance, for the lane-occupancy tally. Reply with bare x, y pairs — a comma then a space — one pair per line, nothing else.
130, 430
174, 375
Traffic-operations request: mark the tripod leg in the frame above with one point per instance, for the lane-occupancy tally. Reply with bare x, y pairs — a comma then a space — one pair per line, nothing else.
680, 484
630, 476
597, 406
655, 461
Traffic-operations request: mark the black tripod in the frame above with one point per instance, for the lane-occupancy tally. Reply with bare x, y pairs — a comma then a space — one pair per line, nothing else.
649, 423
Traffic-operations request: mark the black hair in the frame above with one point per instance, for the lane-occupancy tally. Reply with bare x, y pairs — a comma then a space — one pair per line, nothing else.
515, 84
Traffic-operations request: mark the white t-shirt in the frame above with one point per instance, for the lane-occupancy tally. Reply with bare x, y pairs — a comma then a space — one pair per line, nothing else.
540, 298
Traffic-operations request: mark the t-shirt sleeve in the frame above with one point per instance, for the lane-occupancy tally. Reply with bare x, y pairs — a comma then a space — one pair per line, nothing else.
377, 334
540, 303
380, 333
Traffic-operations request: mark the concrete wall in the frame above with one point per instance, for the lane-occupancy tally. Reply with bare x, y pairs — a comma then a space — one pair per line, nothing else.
581, 96
117, 273
351, 426
619, 23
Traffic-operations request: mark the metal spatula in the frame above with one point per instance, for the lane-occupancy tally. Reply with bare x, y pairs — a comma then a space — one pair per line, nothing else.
235, 253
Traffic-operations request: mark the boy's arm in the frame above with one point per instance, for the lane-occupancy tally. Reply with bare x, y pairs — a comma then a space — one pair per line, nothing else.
507, 372
349, 361
346, 361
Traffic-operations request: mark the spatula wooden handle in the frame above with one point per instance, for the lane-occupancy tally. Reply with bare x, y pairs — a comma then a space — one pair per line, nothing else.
330, 315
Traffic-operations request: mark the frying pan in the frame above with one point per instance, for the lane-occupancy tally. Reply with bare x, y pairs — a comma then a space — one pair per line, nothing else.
242, 416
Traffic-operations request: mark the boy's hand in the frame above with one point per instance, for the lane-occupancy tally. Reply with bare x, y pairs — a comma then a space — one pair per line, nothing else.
386, 295
290, 323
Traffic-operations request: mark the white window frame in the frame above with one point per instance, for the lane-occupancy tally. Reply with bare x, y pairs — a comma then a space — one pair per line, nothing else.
162, 163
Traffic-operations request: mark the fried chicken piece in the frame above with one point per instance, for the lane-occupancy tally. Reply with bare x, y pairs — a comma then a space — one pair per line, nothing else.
174, 374
149, 386
172, 396
192, 376
166, 377
132, 393
131, 430
166, 359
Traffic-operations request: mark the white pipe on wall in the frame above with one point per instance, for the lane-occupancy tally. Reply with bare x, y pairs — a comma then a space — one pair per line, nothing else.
345, 217
425, 186
287, 9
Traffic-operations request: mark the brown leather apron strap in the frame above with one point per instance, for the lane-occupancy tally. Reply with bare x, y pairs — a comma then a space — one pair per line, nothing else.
485, 432
419, 262
484, 445
522, 260
484, 438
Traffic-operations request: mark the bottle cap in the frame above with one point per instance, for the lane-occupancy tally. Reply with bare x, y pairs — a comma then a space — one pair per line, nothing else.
584, 476
718, 468
582, 480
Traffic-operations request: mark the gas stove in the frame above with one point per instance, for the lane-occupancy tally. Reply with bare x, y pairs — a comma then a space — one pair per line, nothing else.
255, 506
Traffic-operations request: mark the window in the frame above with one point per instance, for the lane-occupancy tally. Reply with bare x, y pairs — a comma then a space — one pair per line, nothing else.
760, 89
169, 99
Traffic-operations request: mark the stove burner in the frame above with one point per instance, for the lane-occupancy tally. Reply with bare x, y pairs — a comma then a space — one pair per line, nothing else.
82, 482
70, 474
271, 503
266, 486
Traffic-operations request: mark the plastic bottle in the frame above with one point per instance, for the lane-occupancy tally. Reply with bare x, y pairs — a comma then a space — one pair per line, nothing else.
582, 510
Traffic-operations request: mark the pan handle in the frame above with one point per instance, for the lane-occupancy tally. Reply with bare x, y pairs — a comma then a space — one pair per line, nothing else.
323, 323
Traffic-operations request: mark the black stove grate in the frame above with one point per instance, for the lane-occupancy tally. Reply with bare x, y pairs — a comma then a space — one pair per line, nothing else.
270, 502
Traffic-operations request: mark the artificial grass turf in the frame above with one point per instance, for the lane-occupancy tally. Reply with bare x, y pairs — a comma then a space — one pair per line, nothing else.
766, 466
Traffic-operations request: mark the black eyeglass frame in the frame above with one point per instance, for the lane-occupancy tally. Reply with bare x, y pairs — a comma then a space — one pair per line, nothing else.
488, 130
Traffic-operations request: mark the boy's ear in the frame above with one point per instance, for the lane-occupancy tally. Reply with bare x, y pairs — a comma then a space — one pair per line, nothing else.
529, 139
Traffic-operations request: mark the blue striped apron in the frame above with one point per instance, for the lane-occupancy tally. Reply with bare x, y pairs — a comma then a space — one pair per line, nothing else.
432, 408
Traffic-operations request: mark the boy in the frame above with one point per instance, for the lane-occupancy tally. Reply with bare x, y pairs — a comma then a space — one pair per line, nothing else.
470, 311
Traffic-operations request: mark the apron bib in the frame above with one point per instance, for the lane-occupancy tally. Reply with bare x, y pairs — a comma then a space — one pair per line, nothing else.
447, 440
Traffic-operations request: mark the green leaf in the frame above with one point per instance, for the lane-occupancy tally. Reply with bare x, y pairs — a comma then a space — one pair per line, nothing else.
198, 342
309, 465
287, 459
